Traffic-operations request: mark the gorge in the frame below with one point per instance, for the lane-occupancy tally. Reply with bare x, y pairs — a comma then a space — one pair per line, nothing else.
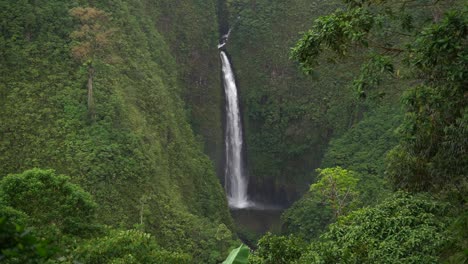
250, 216
345, 143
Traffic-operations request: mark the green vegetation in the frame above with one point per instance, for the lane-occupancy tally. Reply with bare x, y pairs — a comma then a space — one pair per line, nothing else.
124, 98
337, 189
363, 149
191, 30
335, 194
415, 51
288, 117
61, 216
432, 153
307, 218
133, 150
130, 246
402, 229
93, 39
277, 249
50, 201
18, 245
435, 57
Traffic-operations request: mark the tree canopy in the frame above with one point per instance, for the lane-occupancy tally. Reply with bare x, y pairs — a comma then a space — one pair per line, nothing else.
402, 229
423, 43
50, 200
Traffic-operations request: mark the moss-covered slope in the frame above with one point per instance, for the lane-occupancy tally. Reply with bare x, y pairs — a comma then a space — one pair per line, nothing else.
191, 30
139, 157
289, 117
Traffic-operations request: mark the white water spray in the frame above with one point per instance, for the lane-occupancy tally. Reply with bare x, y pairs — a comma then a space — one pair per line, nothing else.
235, 180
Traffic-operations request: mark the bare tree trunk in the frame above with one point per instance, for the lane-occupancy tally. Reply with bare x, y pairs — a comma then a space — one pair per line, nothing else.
91, 110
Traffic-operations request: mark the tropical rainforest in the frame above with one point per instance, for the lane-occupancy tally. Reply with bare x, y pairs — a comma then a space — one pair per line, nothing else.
112, 130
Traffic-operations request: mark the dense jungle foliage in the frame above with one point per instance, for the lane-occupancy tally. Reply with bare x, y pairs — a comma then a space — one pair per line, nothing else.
94, 90
289, 117
406, 133
111, 130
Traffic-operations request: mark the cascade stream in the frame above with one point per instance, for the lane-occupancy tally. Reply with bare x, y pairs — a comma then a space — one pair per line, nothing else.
235, 181
254, 217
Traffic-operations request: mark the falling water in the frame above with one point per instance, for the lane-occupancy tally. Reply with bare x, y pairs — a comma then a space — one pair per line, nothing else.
235, 180
224, 39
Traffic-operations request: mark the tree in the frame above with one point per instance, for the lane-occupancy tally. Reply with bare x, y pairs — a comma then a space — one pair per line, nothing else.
337, 188
129, 246
402, 229
375, 28
424, 42
433, 151
92, 40
19, 245
277, 250
50, 201
334, 194
308, 217
223, 235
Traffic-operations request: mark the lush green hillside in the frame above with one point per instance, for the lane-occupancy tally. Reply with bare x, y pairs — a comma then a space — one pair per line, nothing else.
393, 187
137, 155
362, 150
191, 30
289, 117
111, 135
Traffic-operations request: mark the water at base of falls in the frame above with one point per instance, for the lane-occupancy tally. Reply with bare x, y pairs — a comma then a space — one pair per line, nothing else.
235, 180
239, 204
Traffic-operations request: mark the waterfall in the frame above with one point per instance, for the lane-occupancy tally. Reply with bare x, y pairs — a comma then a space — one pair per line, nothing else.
224, 39
235, 180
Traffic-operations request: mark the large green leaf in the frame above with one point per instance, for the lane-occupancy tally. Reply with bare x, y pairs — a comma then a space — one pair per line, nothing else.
238, 255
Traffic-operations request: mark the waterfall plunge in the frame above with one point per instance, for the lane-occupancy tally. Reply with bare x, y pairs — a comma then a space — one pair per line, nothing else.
235, 181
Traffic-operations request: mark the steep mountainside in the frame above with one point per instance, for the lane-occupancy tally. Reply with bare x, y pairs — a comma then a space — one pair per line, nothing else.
138, 156
191, 30
289, 117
